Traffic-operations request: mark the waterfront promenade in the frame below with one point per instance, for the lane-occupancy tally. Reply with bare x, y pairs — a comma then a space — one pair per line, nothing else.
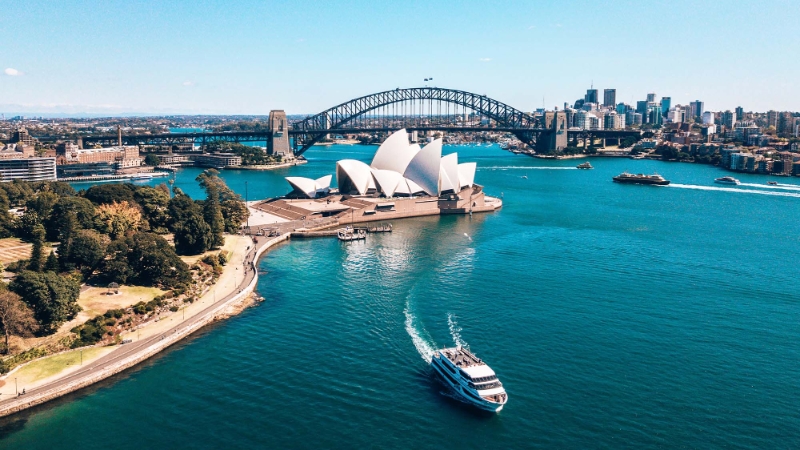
128, 355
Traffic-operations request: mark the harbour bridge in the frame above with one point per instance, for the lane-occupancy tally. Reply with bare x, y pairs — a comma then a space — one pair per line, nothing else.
415, 109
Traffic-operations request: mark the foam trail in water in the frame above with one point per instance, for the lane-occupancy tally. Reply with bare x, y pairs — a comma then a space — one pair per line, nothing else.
455, 331
741, 191
423, 346
788, 187
526, 168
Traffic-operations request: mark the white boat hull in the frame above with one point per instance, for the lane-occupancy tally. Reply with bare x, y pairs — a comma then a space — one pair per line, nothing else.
465, 394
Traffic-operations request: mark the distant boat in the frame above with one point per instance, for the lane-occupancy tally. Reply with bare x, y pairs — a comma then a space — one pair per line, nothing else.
629, 178
772, 183
585, 165
470, 378
525, 177
726, 180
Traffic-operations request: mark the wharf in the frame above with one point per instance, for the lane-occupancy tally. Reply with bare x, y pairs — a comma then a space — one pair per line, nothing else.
148, 176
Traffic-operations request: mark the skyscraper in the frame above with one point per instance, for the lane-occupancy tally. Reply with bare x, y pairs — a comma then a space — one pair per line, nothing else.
591, 96
697, 108
609, 97
651, 97
739, 113
666, 104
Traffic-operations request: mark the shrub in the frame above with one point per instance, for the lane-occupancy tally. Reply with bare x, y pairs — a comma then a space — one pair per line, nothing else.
110, 322
223, 258
173, 308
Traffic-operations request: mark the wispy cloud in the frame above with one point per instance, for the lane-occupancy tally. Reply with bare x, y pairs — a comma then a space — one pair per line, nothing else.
188, 83
12, 72
485, 59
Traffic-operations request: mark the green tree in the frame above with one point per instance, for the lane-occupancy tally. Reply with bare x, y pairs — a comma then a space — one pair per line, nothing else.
233, 209
179, 208
43, 203
115, 265
110, 193
151, 160
16, 319
51, 264
192, 235
153, 262
66, 209
87, 250
154, 203
53, 298
37, 252
26, 224
117, 218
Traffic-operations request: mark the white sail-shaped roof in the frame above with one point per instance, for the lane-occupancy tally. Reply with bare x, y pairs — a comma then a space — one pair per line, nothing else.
395, 153
466, 174
388, 181
353, 176
423, 169
449, 173
308, 187
414, 188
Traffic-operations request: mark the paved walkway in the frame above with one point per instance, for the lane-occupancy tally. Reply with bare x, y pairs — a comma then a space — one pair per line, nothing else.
127, 351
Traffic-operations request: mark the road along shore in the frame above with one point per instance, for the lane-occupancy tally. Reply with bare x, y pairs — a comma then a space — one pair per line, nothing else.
128, 355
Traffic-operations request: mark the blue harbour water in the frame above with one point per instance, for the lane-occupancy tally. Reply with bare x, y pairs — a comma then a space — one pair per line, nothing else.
616, 316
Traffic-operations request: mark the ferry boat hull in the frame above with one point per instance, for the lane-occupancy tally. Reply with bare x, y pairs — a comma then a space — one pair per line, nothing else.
464, 392
626, 180
721, 181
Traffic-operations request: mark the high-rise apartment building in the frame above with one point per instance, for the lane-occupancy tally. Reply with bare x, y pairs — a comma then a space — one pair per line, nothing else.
651, 97
696, 108
609, 97
728, 119
772, 119
708, 118
739, 113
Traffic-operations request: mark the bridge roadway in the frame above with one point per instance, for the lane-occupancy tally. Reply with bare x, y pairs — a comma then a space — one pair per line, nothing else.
105, 366
257, 136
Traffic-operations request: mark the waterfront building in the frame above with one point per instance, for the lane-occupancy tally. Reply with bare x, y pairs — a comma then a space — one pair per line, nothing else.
402, 169
309, 188
28, 169
739, 113
16, 150
614, 121
124, 156
696, 108
171, 159
217, 160
666, 105
675, 115
609, 97
785, 124
99, 168
708, 118
788, 162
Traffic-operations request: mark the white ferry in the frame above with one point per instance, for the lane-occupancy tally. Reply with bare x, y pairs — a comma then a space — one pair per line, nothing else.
726, 180
470, 378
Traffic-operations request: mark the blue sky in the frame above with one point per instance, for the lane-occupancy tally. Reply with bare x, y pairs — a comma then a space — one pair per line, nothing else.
247, 57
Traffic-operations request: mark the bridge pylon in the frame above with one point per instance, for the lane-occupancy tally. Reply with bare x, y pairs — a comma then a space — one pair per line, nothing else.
278, 144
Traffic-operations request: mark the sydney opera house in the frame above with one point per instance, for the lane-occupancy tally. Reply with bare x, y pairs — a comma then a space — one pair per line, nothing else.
403, 180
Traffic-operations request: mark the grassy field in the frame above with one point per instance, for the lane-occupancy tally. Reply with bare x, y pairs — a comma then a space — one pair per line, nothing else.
13, 249
94, 300
51, 365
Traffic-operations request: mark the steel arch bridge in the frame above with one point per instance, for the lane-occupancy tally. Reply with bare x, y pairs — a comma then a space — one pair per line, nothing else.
423, 108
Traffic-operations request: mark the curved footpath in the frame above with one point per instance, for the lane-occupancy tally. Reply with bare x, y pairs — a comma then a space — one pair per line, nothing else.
128, 355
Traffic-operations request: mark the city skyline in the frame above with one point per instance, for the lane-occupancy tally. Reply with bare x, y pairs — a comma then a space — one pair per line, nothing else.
116, 58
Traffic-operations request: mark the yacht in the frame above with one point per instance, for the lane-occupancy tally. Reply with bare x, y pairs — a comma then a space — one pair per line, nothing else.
626, 177
726, 180
585, 165
772, 183
470, 378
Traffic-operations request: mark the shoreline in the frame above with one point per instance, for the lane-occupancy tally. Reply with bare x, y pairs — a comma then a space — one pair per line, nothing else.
126, 356
298, 162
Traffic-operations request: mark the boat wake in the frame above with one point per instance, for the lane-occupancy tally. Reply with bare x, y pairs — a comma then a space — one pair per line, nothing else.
741, 191
455, 331
424, 345
526, 168
787, 187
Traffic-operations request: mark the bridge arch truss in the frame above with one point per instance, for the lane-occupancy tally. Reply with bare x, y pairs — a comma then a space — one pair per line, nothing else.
423, 108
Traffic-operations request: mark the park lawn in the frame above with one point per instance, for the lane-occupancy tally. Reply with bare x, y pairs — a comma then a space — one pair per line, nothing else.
95, 301
232, 243
52, 365
14, 249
